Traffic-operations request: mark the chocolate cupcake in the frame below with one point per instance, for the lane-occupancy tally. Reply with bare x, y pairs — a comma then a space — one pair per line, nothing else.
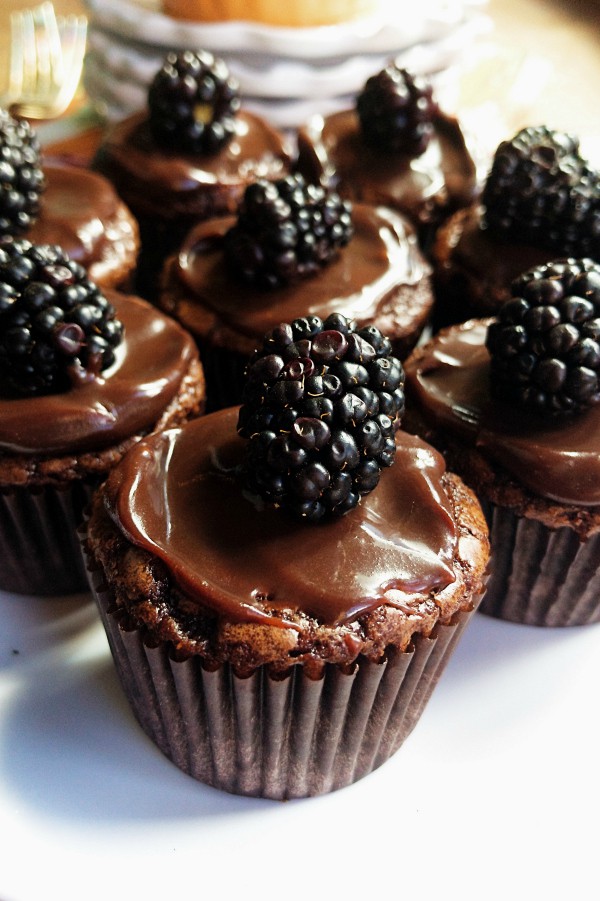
541, 200
513, 404
83, 376
50, 202
280, 617
396, 148
293, 248
81, 211
188, 156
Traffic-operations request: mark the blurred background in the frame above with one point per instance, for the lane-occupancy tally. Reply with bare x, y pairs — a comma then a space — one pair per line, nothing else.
500, 64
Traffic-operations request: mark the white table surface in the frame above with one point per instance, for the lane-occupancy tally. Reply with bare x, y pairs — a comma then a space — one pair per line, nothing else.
494, 795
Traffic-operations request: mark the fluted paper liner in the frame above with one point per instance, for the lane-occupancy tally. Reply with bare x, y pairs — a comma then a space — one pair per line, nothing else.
541, 576
39, 545
278, 738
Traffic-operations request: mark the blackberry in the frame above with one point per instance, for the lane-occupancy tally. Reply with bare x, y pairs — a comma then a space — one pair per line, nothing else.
545, 343
319, 408
21, 176
541, 191
396, 110
55, 325
286, 230
193, 101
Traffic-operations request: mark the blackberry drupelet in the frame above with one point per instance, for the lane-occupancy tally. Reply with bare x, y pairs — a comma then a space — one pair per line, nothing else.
545, 343
320, 407
541, 191
193, 101
396, 111
55, 325
21, 176
286, 230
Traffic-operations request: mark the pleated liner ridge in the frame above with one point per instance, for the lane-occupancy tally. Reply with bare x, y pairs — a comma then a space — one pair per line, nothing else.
276, 738
541, 576
39, 545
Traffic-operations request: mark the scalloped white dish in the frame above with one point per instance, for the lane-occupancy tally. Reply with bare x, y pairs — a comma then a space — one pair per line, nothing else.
118, 72
399, 25
266, 76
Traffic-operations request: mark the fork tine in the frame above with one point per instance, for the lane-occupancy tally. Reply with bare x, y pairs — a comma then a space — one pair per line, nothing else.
27, 30
42, 50
73, 56
15, 78
52, 34
50, 60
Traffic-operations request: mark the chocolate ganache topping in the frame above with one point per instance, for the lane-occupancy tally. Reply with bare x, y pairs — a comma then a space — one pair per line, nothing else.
177, 495
360, 283
124, 400
82, 213
167, 183
556, 458
333, 149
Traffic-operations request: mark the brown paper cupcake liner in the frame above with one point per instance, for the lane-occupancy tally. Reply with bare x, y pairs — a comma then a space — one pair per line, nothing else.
541, 576
39, 545
277, 738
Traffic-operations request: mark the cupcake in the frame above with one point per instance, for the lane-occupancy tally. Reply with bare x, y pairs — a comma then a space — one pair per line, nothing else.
302, 14
81, 211
281, 602
541, 199
188, 156
394, 147
513, 403
49, 202
83, 376
292, 248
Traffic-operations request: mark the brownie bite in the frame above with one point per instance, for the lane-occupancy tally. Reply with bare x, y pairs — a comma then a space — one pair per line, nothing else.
50, 202
293, 247
84, 375
541, 199
188, 156
395, 147
358, 561
81, 211
514, 404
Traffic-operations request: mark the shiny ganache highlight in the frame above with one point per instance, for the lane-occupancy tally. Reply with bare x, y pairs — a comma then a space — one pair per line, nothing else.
178, 496
81, 211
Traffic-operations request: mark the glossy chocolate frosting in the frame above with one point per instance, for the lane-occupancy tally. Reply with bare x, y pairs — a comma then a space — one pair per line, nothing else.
177, 496
362, 281
125, 400
81, 212
442, 178
166, 184
449, 382
477, 267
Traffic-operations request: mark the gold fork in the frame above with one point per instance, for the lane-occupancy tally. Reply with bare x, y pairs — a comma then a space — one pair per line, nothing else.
46, 60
